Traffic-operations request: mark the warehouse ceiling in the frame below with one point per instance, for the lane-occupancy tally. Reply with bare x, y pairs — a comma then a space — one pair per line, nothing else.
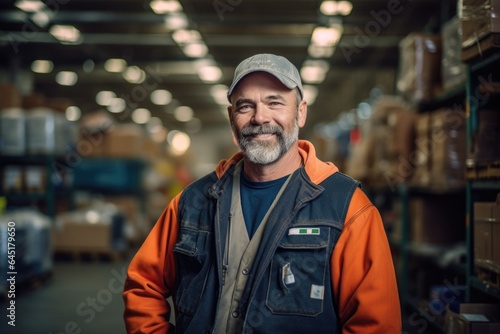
365, 57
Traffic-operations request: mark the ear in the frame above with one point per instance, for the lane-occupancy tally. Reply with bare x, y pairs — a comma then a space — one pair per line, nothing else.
302, 113
229, 113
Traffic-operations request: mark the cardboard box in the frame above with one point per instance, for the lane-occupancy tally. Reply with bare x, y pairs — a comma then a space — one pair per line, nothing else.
479, 18
124, 141
419, 67
34, 100
473, 319
9, 96
485, 148
483, 242
448, 148
78, 236
487, 234
422, 153
453, 70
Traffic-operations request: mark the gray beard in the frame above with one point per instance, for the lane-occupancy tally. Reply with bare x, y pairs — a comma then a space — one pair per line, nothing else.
267, 152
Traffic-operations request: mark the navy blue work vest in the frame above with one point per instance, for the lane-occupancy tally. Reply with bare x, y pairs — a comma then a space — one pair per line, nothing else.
270, 304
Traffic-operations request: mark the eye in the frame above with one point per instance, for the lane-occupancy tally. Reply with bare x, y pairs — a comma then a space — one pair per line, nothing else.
244, 108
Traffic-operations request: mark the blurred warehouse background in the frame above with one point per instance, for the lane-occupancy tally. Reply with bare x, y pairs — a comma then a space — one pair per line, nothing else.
108, 109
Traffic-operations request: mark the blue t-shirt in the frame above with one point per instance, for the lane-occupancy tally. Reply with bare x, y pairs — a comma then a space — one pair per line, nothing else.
256, 198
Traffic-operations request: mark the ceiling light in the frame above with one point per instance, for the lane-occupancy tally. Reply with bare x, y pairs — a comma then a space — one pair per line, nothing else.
336, 8
161, 97
73, 113
141, 116
316, 51
165, 6
176, 21
42, 66
116, 105
66, 34
210, 73
183, 36
195, 50
326, 36
41, 18
183, 114
314, 71
115, 65
30, 6
134, 74
105, 97
66, 78
179, 142
310, 94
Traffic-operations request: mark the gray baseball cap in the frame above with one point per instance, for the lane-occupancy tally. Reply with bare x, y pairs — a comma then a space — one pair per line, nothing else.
278, 66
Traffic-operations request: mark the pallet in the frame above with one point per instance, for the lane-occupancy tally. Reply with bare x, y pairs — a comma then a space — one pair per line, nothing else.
482, 171
86, 255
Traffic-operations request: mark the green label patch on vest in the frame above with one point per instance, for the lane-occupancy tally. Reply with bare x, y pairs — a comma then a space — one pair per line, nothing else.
304, 231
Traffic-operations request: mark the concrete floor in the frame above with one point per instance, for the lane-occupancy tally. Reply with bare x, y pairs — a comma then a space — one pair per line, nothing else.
84, 297
80, 297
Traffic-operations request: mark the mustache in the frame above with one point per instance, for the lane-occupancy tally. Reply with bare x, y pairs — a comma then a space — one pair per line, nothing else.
261, 130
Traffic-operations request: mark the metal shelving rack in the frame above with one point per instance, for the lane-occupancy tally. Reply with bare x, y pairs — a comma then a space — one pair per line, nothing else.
486, 68
48, 196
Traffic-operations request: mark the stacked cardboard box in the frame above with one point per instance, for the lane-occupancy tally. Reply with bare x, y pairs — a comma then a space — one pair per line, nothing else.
384, 154
440, 149
487, 235
486, 148
420, 66
452, 68
480, 27
9, 96
421, 157
473, 319
98, 229
101, 136
448, 140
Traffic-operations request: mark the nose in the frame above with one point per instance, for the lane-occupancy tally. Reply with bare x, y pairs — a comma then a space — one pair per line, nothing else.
261, 114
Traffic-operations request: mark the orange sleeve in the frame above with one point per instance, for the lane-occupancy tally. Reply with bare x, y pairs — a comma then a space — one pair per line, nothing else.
151, 277
363, 276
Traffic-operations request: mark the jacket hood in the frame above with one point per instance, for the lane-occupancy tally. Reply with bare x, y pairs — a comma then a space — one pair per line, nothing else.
316, 169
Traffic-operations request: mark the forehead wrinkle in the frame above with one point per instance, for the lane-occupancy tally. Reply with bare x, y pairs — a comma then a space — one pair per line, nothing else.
275, 97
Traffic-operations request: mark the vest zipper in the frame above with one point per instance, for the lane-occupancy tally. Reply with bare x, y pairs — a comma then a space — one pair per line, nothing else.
225, 260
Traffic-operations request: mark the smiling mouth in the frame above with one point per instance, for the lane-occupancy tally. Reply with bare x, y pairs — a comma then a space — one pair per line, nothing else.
263, 136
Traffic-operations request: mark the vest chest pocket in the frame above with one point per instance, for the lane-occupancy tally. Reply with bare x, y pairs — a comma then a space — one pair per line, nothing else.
192, 266
298, 273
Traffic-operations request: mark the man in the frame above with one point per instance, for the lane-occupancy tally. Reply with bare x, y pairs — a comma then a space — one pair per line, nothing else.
273, 241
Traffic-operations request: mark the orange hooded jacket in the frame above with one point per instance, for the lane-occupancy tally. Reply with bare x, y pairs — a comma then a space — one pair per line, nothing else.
362, 271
